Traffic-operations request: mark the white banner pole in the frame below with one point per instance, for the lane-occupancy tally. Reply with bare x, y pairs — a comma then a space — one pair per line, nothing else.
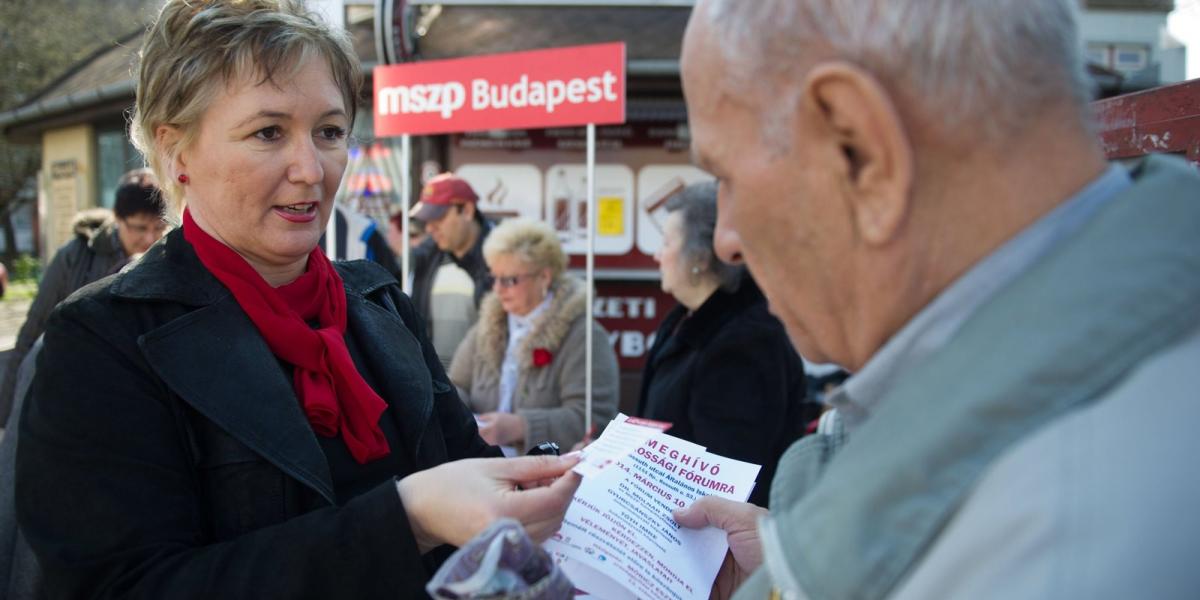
405, 200
591, 275
331, 225
331, 234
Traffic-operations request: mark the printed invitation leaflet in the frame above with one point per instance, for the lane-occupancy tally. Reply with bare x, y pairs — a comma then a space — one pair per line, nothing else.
618, 539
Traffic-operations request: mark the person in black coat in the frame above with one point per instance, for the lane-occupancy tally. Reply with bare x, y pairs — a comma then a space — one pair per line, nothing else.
721, 369
235, 416
104, 242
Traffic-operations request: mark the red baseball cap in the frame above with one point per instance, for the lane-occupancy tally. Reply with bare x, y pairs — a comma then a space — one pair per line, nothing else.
439, 194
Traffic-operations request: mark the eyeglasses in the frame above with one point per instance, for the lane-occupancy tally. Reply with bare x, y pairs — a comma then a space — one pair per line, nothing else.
158, 226
507, 281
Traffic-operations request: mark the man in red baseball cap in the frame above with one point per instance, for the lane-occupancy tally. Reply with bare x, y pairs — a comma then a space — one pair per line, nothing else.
440, 194
456, 231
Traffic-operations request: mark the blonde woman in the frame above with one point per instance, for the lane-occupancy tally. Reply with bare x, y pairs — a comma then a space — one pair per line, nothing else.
521, 367
236, 416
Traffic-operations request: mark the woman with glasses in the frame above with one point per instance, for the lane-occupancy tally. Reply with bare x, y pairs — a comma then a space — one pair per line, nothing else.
521, 367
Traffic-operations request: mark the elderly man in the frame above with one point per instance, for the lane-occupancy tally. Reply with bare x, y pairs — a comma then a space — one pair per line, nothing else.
916, 185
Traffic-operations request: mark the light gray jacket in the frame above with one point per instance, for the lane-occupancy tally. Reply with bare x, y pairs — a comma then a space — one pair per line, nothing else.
1054, 459
549, 397
1100, 504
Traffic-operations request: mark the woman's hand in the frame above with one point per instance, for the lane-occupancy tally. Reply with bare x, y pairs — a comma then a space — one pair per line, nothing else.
739, 520
453, 502
501, 429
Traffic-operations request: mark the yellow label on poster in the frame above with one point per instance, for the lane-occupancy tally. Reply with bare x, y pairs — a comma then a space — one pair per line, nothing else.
610, 215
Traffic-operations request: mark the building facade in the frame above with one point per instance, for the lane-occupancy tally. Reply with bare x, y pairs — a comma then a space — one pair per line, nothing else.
80, 120
1130, 38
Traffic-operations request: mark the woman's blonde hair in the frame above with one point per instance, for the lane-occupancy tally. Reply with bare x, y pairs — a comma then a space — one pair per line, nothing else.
532, 242
194, 46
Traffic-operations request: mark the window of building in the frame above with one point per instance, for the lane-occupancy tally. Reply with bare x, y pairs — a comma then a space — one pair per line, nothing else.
357, 13
1126, 58
1098, 54
114, 157
1130, 58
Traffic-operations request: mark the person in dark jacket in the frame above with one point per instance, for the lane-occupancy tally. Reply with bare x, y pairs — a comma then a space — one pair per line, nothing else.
449, 209
358, 236
235, 416
104, 241
721, 369
20, 578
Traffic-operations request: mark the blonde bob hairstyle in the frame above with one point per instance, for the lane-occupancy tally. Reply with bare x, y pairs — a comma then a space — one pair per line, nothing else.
194, 46
532, 242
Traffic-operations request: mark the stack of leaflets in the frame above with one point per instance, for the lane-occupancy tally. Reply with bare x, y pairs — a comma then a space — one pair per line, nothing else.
618, 539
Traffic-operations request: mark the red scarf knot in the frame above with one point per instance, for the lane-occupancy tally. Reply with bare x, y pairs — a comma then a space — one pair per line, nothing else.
334, 395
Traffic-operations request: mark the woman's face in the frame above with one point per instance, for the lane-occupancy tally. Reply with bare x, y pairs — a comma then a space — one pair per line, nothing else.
265, 165
671, 264
519, 285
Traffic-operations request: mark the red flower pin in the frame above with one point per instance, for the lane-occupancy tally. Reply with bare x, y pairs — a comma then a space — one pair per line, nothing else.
541, 357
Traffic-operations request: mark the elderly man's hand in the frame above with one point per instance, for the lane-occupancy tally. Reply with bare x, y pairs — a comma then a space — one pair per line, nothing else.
739, 520
501, 429
451, 503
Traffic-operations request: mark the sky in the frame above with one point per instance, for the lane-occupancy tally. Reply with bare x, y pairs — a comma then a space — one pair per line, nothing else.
1184, 24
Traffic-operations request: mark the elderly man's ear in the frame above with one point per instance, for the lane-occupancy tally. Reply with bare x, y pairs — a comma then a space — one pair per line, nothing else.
867, 146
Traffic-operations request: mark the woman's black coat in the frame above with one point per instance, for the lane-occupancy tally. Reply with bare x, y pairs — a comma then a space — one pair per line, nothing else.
163, 453
727, 378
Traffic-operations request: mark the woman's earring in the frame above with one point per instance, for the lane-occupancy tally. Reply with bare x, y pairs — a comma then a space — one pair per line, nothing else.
183, 178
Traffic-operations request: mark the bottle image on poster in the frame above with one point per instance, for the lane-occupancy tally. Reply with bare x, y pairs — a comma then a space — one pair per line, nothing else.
566, 207
561, 199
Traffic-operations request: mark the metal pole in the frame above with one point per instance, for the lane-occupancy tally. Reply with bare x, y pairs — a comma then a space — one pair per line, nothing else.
405, 200
331, 241
357, 158
591, 275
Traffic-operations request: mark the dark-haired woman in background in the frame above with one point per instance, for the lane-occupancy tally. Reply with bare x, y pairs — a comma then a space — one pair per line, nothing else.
721, 369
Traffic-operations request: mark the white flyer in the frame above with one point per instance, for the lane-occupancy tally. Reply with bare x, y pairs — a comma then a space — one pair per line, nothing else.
618, 539
622, 436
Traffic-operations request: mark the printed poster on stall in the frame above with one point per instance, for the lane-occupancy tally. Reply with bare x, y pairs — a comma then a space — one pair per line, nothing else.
656, 184
506, 191
566, 207
618, 539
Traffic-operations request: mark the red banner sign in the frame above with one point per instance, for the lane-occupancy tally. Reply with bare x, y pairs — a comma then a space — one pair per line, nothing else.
541, 88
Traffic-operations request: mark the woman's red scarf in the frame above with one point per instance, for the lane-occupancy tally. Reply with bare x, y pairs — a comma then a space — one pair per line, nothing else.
334, 395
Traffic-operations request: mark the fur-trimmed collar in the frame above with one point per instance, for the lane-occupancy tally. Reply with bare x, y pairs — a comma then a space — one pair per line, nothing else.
548, 331
97, 228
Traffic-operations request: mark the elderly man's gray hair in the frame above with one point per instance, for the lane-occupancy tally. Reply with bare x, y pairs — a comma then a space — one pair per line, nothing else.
982, 63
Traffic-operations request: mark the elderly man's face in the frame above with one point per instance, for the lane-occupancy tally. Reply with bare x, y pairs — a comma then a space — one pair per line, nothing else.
778, 208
